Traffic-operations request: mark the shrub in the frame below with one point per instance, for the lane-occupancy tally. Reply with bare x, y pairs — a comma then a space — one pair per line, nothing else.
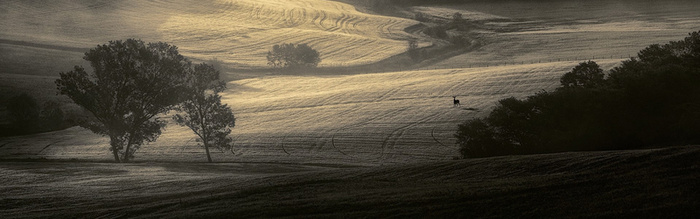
413, 51
289, 55
460, 41
439, 32
419, 16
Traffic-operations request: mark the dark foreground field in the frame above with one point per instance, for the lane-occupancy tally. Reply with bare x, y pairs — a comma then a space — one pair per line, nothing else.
642, 183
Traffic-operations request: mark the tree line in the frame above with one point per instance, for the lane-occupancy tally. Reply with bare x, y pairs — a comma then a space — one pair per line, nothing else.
651, 100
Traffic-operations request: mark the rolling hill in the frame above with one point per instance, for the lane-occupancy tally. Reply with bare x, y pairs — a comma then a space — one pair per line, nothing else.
401, 116
366, 144
364, 119
238, 33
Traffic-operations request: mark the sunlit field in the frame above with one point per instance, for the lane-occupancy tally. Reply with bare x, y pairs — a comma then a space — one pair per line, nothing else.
236, 32
369, 119
544, 31
322, 143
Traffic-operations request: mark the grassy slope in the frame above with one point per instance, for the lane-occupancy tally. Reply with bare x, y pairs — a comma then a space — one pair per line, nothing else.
370, 118
542, 31
340, 120
235, 32
629, 184
43, 39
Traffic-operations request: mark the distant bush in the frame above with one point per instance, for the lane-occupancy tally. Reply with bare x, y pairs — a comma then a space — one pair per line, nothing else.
288, 55
457, 18
439, 32
419, 16
650, 101
416, 54
460, 41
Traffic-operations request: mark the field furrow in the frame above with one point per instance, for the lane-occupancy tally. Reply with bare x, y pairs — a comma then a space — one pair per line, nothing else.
238, 33
373, 118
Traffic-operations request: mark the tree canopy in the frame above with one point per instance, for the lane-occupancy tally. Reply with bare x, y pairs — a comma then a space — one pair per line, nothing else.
586, 74
652, 100
288, 55
130, 84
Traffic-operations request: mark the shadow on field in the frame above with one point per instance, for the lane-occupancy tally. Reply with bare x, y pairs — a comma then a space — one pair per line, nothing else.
638, 183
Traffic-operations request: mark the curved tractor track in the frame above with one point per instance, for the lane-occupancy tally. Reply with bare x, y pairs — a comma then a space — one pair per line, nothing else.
327, 26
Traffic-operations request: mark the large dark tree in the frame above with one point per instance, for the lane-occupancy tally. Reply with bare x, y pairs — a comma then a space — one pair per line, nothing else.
290, 55
203, 112
131, 83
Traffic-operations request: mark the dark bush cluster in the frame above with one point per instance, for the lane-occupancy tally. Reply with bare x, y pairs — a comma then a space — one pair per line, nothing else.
439, 32
26, 116
460, 41
652, 100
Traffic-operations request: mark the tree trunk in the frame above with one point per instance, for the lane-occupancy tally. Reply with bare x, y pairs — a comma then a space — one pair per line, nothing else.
126, 153
128, 147
206, 148
115, 152
113, 142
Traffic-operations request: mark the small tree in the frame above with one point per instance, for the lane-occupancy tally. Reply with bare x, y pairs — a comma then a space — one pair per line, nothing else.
289, 55
132, 82
413, 51
203, 112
